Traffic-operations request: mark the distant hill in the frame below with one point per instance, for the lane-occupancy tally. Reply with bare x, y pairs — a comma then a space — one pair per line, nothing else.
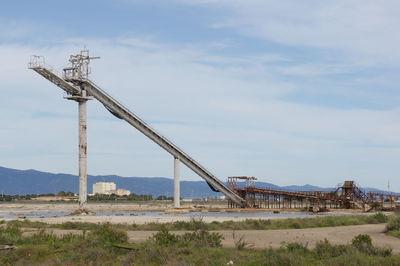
35, 182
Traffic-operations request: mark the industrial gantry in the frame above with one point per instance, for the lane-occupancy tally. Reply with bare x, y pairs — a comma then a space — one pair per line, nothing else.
76, 83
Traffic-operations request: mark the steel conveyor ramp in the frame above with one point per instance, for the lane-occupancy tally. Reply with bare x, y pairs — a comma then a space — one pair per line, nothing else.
74, 86
122, 112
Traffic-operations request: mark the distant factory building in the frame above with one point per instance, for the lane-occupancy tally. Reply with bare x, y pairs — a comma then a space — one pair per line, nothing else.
107, 188
123, 192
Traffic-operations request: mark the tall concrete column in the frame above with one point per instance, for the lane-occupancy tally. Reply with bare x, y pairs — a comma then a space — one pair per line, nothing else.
82, 152
177, 193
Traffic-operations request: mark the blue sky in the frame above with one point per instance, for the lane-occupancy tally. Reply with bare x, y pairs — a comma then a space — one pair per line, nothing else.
292, 92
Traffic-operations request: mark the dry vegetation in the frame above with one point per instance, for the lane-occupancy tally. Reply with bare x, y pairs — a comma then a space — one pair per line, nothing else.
107, 244
250, 224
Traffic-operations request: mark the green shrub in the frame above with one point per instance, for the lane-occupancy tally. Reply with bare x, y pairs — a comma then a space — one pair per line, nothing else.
295, 225
324, 249
239, 241
361, 240
78, 226
394, 223
42, 237
106, 234
10, 234
375, 205
380, 217
202, 238
193, 224
363, 243
165, 238
297, 247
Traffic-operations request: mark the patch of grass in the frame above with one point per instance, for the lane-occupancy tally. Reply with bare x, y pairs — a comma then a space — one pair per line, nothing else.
106, 234
10, 234
76, 226
45, 247
380, 217
272, 224
249, 224
395, 233
324, 249
296, 223
394, 223
199, 238
296, 247
28, 223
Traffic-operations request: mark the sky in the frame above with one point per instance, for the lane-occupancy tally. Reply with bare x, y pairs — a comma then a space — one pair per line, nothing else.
291, 92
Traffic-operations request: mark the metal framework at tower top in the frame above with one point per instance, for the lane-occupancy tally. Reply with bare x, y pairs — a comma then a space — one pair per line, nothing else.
79, 68
76, 83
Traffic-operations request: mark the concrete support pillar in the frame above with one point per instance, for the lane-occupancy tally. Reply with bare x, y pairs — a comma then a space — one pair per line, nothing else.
82, 152
177, 193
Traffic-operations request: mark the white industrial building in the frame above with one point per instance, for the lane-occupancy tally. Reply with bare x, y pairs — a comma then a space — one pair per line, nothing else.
107, 188
123, 192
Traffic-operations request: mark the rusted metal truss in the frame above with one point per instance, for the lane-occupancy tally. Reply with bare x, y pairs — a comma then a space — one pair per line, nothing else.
348, 195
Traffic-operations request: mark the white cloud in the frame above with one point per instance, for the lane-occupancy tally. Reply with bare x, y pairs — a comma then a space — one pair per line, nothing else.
365, 30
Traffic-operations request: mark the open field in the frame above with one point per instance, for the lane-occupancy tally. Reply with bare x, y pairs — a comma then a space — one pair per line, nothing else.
105, 244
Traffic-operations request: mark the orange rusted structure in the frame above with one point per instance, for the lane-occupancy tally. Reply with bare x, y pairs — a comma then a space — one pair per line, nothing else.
348, 195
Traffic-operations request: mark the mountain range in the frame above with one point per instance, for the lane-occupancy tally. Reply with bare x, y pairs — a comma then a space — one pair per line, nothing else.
22, 182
